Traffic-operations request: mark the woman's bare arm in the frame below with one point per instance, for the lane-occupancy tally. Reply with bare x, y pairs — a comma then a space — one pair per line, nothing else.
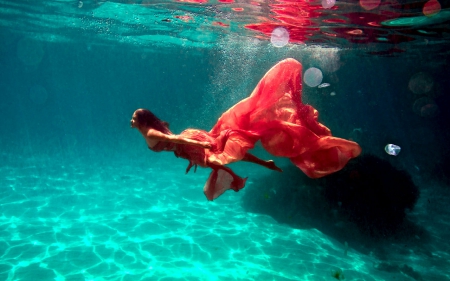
157, 135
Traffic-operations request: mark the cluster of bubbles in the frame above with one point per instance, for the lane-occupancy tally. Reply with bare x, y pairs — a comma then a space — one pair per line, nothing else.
327, 59
421, 84
327, 62
279, 37
236, 55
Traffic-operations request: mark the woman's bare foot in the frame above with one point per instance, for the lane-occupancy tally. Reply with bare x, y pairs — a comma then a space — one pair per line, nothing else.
271, 165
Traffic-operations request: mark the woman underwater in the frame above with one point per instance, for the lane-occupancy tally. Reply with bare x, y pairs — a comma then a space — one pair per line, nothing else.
272, 114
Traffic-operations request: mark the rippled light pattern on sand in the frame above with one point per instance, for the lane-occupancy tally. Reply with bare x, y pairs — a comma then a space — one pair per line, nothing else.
113, 223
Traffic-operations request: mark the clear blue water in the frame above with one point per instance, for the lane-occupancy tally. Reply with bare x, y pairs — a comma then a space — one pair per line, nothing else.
82, 197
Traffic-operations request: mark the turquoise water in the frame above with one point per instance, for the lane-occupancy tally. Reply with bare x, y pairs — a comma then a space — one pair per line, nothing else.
151, 222
83, 198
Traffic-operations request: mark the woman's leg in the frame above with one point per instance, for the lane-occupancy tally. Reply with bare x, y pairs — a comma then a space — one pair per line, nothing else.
268, 164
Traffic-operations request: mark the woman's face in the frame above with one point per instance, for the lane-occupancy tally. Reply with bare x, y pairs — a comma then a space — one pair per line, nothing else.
134, 120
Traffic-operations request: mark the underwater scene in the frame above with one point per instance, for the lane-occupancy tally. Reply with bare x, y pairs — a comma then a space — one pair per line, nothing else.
267, 140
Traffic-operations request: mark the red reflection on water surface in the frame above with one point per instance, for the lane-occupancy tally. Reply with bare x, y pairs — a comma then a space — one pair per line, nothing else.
356, 22
381, 25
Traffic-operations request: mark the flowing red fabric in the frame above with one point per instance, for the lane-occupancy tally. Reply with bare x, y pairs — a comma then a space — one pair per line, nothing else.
275, 115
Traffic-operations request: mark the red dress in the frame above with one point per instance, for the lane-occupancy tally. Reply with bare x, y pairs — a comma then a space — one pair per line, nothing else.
275, 115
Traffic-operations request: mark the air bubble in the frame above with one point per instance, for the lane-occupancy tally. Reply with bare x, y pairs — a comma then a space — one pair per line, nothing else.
313, 77
327, 4
30, 51
392, 149
279, 37
421, 83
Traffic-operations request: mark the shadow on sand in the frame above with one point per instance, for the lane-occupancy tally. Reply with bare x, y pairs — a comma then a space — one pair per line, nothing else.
365, 206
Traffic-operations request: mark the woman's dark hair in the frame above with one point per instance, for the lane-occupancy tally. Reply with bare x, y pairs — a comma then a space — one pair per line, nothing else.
145, 118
